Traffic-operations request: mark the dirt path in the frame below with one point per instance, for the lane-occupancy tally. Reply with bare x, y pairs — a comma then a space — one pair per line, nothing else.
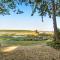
37, 52
9, 49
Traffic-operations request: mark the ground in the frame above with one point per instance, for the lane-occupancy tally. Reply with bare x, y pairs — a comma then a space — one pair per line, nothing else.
35, 52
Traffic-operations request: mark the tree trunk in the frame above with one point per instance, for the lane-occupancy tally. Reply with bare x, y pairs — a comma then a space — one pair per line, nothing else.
55, 28
54, 21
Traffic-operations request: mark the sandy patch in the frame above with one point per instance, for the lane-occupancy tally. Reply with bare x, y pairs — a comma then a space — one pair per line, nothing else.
9, 49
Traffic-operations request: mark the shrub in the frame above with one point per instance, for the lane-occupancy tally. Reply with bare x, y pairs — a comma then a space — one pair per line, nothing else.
59, 33
54, 44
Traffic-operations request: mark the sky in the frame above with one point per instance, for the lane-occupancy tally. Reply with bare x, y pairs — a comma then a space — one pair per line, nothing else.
25, 21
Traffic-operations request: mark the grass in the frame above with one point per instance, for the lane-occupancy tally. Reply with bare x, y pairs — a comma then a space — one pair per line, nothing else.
27, 43
23, 43
15, 49
18, 49
17, 32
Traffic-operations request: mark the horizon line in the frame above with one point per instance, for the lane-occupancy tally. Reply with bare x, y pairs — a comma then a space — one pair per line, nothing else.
24, 30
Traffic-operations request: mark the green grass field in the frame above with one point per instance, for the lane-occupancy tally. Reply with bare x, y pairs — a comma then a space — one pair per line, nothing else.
22, 43
25, 43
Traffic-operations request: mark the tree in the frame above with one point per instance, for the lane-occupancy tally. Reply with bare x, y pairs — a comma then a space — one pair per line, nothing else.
54, 21
50, 7
44, 7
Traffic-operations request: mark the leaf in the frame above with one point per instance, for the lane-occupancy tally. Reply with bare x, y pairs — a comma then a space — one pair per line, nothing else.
1, 10
34, 10
42, 18
7, 1
38, 1
19, 12
12, 5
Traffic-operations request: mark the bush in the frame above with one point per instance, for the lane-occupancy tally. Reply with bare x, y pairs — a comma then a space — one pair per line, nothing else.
59, 33
54, 44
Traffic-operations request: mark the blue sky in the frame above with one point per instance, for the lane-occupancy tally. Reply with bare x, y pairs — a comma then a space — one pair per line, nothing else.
27, 22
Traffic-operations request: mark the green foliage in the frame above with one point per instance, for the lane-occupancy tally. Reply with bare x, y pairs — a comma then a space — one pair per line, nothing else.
58, 30
12, 5
54, 44
1, 9
7, 1
43, 6
20, 41
59, 33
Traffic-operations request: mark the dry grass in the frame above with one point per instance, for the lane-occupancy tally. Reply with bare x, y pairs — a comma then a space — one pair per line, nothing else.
23, 32
36, 52
17, 32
